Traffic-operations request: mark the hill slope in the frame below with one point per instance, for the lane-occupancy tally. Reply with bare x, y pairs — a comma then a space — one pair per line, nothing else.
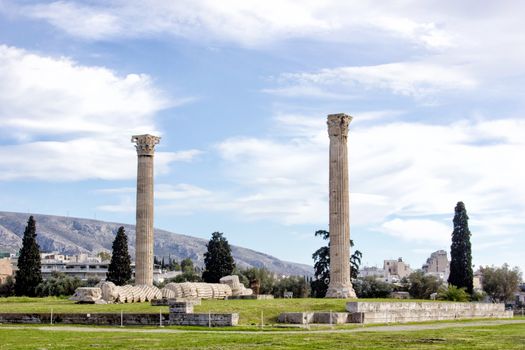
74, 235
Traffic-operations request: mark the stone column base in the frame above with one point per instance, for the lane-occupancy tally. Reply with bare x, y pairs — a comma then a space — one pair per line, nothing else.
341, 292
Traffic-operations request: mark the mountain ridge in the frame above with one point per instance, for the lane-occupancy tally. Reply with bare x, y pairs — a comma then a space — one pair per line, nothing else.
71, 235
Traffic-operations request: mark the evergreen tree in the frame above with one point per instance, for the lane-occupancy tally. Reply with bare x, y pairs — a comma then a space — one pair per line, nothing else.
218, 259
119, 270
186, 265
461, 274
322, 266
29, 274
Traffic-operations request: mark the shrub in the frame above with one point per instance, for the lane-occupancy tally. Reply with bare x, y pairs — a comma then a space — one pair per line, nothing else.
452, 293
187, 276
262, 276
295, 284
370, 287
422, 286
7, 289
59, 285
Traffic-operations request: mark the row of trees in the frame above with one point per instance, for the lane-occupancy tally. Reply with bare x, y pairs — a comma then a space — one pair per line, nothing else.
498, 283
29, 282
57, 285
218, 263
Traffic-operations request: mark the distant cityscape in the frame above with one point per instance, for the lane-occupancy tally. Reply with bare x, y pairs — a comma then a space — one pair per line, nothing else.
84, 267
393, 271
81, 266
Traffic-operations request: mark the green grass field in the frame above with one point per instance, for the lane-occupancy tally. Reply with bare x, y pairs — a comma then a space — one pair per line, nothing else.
486, 337
246, 336
250, 311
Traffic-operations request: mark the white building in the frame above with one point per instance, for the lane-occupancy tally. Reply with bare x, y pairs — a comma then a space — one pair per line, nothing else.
437, 265
392, 272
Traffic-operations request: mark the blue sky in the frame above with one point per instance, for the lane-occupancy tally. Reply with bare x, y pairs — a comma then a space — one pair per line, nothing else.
239, 92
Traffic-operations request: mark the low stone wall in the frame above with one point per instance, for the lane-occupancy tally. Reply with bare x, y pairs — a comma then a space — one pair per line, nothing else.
206, 320
168, 302
253, 296
314, 317
296, 317
110, 319
385, 312
102, 319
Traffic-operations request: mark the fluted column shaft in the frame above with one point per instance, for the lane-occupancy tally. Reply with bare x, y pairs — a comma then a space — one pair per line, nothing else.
340, 284
144, 210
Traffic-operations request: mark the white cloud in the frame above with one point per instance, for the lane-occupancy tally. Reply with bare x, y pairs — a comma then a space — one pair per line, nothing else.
248, 22
76, 19
417, 230
126, 204
179, 192
404, 177
180, 199
66, 121
417, 48
417, 79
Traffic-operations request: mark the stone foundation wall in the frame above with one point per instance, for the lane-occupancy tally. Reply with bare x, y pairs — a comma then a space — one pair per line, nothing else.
205, 320
102, 319
253, 296
110, 319
314, 317
385, 312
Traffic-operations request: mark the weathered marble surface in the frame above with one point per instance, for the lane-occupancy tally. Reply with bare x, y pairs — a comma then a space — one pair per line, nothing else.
340, 285
145, 145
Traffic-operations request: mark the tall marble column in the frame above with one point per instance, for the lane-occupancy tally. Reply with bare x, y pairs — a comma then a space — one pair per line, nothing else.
145, 145
340, 284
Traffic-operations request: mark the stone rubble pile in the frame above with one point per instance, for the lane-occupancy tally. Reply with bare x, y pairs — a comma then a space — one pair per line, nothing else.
108, 292
196, 290
86, 295
238, 289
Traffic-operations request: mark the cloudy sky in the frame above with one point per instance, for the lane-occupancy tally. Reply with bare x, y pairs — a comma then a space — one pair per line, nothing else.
239, 92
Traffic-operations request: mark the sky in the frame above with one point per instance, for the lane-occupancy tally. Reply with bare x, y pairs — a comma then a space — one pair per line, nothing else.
239, 92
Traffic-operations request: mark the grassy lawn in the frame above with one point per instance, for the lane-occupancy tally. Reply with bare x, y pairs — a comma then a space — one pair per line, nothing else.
62, 305
249, 310
487, 337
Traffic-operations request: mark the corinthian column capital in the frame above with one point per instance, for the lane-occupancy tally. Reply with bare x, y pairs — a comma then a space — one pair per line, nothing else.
338, 125
145, 144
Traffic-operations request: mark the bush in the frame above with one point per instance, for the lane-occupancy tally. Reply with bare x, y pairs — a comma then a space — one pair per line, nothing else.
370, 287
478, 295
262, 276
295, 284
500, 283
452, 293
59, 285
319, 288
7, 289
421, 285
187, 276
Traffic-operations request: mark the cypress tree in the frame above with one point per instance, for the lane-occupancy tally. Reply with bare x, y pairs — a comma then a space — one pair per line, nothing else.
119, 270
218, 259
461, 274
29, 274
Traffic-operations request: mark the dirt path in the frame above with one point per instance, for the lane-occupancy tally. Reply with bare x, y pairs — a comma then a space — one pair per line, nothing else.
392, 328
